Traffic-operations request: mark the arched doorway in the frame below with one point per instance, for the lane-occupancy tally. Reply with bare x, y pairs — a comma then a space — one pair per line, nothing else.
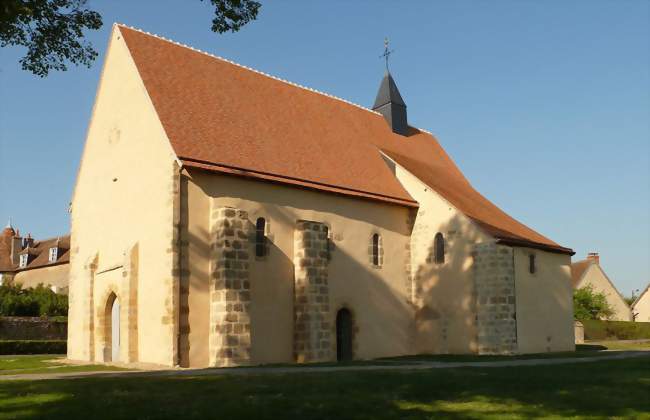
112, 352
343, 335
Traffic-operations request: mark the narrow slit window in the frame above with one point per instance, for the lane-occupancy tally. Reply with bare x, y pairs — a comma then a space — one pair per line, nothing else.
439, 249
532, 264
376, 249
327, 241
260, 237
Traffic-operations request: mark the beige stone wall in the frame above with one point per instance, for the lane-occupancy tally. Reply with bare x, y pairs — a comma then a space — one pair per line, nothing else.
642, 308
125, 196
544, 302
377, 296
443, 294
595, 276
53, 276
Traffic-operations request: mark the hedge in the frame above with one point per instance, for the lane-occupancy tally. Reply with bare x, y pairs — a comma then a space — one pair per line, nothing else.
33, 301
33, 347
616, 330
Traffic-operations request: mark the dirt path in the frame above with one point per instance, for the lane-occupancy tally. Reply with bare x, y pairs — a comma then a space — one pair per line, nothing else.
415, 365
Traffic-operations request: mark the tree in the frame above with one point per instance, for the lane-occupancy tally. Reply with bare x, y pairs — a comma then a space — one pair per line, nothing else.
53, 30
588, 304
631, 299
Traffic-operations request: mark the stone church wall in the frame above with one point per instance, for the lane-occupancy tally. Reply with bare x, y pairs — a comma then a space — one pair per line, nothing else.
121, 199
376, 296
442, 293
544, 302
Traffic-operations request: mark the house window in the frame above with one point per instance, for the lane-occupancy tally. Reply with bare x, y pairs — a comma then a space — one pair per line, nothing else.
22, 262
439, 249
376, 250
260, 237
54, 251
532, 266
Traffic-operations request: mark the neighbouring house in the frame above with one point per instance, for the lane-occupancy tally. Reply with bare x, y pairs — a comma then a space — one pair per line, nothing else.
32, 262
641, 307
222, 216
588, 272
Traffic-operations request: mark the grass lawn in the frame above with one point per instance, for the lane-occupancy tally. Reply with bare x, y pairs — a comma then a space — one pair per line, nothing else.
44, 364
605, 389
622, 345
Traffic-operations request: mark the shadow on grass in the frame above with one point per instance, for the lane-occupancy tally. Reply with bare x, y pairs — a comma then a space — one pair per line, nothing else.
590, 347
604, 389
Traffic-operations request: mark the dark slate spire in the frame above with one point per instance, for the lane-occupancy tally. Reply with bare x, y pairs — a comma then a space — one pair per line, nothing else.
390, 104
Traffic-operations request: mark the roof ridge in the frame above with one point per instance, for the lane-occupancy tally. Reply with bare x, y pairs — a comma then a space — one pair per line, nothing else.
180, 44
59, 237
584, 260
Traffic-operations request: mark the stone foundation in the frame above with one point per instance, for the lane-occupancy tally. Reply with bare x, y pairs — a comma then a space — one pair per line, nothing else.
312, 329
494, 282
230, 339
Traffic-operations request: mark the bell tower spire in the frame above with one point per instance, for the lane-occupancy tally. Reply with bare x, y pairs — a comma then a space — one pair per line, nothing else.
389, 102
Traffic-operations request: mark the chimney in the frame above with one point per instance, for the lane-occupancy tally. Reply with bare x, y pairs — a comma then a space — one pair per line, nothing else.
16, 247
593, 256
29, 241
390, 104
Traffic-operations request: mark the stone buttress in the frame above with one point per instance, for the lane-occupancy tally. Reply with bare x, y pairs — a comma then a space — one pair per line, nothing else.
312, 332
494, 282
230, 336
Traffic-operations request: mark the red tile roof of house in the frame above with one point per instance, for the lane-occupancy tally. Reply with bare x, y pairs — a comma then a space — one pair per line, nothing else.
223, 117
578, 269
40, 254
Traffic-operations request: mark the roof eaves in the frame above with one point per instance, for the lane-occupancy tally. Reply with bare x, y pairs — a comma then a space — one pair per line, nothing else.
535, 245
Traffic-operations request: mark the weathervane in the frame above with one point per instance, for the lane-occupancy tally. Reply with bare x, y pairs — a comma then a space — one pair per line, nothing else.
386, 53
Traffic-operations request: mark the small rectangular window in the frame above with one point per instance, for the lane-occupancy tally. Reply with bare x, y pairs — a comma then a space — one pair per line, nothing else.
23, 260
53, 254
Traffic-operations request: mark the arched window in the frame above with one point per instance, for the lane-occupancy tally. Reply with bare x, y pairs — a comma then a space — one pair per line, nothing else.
376, 250
439, 249
532, 266
260, 237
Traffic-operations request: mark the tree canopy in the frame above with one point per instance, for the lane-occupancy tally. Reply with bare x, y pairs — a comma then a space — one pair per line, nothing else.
588, 304
53, 30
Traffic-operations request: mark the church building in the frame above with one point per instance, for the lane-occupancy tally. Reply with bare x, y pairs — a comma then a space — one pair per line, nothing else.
222, 216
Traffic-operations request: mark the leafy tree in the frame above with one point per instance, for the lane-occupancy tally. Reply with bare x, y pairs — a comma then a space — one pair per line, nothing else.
53, 30
38, 301
588, 304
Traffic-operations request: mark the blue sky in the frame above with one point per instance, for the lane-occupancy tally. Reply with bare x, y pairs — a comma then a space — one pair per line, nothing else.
545, 105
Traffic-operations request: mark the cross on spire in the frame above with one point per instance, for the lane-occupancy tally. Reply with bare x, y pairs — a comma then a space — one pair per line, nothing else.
386, 53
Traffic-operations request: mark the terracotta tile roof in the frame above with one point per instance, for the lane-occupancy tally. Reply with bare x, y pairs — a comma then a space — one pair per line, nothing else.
224, 117
40, 252
578, 269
